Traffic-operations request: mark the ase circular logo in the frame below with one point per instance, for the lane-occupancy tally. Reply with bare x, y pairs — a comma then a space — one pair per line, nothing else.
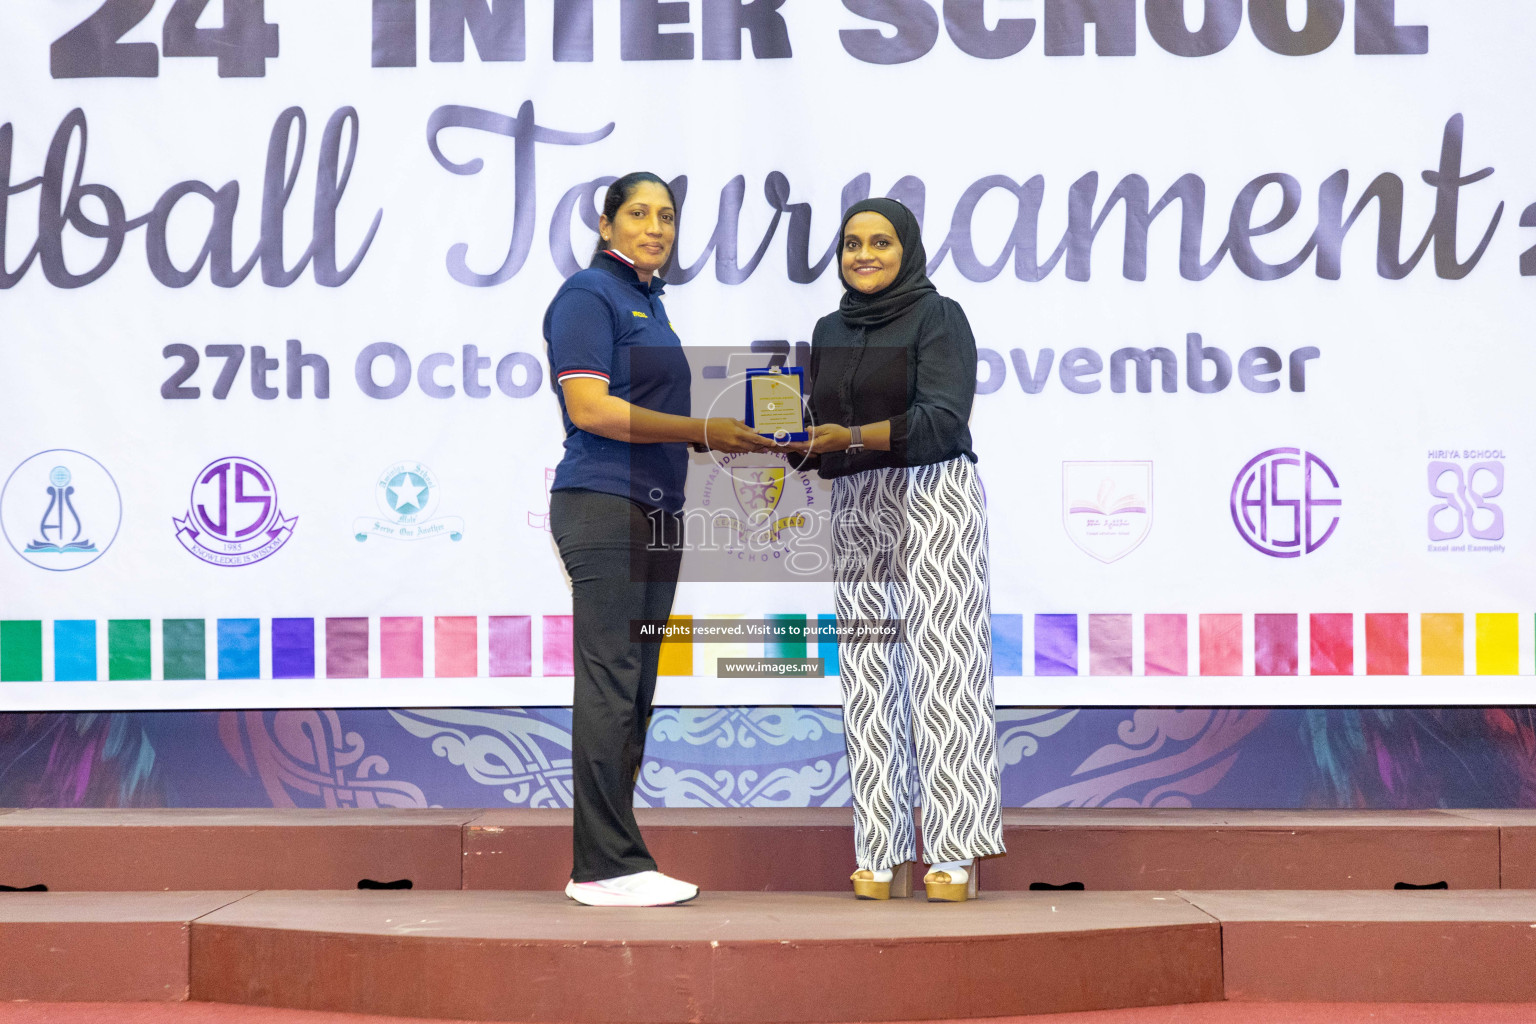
1285, 502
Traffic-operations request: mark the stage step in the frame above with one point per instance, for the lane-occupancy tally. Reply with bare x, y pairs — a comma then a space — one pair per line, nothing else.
183, 849
1517, 844
810, 849
741, 957
1176, 848
758, 849
766, 849
761, 957
113, 947
1465, 947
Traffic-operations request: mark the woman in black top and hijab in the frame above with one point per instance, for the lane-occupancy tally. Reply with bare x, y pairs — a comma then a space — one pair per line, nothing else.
893, 377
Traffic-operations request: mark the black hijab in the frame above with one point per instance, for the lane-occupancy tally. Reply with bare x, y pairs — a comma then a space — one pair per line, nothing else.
911, 284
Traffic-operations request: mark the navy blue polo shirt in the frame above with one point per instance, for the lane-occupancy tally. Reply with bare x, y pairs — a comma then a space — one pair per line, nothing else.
606, 324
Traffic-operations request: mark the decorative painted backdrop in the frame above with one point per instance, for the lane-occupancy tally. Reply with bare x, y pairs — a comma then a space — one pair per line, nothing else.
765, 756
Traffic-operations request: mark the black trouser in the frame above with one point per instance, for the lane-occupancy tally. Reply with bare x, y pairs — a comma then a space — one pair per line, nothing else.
619, 573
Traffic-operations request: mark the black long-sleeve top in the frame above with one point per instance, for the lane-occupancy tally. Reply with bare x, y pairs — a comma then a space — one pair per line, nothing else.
918, 371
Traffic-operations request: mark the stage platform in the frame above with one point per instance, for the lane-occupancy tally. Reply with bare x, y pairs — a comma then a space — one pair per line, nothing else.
758, 849
765, 957
263, 908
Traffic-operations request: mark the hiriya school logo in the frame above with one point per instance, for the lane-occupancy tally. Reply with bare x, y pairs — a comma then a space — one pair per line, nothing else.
60, 510
1462, 483
407, 494
233, 518
1285, 502
1106, 507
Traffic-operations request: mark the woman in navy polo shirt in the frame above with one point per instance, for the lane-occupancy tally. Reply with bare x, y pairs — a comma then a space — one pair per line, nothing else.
614, 510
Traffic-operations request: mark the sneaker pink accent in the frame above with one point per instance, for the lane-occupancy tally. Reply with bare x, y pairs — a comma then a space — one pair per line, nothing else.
641, 889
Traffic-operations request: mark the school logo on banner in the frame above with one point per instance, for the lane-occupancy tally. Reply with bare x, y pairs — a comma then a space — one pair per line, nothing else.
1285, 502
407, 494
771, 507
1106, 507
60, 510
540, 520
1463, 516
233, 518
758, 491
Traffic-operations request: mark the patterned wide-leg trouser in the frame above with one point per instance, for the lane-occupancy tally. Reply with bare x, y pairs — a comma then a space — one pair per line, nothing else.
911, 544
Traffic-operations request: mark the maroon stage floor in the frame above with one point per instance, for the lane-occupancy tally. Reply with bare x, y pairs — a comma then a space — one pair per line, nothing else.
261, 908
1194, 1013
1188, 1014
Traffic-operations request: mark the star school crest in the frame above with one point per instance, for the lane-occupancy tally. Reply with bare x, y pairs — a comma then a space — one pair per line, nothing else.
407, 494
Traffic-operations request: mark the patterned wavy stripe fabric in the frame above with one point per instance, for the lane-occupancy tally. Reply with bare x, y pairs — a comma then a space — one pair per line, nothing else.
911, 544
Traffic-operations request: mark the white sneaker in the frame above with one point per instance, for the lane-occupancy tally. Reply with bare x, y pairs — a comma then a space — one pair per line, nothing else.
641, 889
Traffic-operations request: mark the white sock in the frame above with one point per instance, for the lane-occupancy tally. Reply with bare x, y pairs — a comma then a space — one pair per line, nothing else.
952, 866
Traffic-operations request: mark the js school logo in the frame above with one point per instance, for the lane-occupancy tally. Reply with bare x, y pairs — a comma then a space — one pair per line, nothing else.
60, 510
233, 518
407, 494
1106, 507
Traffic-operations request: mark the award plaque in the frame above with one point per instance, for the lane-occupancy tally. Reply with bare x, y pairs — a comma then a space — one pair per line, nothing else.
776, 403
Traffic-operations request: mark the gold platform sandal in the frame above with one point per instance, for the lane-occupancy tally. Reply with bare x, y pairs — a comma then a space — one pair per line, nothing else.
868, 886
954, 886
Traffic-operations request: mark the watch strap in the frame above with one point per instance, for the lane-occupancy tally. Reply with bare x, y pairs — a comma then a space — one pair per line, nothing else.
856, 443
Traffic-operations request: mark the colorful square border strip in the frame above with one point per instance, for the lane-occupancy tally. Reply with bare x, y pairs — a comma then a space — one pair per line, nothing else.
511, 646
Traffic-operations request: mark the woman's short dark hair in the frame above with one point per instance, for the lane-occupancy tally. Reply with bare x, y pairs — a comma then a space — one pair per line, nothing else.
619, 192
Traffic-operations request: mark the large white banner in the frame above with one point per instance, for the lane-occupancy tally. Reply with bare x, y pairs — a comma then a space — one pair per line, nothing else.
1251, 282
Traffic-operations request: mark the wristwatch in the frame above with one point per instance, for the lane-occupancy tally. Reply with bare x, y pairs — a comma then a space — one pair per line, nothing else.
856, 443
